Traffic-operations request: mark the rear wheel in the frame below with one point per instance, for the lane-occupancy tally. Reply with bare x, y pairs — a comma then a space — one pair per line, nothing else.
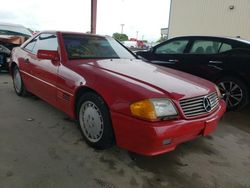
18, 83
94, 120
234, 92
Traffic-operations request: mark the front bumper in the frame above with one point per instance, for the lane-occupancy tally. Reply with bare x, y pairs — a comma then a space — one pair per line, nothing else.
151, 138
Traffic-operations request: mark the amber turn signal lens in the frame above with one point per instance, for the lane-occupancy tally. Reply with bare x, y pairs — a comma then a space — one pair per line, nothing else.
143, 109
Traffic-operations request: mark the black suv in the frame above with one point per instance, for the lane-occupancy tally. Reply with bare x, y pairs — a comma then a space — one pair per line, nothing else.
224, 61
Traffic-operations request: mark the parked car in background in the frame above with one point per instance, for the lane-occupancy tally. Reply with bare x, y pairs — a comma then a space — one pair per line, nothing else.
116, 97
224, 61
11, 35
130, 44
134, 44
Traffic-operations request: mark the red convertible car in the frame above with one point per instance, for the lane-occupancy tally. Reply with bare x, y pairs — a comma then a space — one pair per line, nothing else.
116, 98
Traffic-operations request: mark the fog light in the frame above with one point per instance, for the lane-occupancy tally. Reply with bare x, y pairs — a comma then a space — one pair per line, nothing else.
166, 141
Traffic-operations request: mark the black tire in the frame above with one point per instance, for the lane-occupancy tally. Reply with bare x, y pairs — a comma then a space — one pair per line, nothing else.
20, 90
94, 120
234, 92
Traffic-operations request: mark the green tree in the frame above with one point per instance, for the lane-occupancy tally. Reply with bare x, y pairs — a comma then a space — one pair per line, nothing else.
119, 36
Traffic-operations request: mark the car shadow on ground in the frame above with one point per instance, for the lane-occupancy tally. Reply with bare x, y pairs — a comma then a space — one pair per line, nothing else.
239, 119
166, 167
171, 166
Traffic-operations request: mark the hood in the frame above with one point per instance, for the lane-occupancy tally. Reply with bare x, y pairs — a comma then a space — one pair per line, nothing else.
176, 84
13, 39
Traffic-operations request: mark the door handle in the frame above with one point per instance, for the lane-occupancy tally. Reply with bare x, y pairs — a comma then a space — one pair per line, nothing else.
173, 60
215, 62
27, 60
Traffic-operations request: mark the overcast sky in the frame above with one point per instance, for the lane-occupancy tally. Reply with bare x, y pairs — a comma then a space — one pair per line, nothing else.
145, 16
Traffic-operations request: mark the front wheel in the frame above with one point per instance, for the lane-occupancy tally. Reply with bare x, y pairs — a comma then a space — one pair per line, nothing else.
94, 120
234, 92
18, 83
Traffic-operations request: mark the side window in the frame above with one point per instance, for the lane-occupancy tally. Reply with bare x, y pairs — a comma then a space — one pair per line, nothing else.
225, 47
29, 47
46, 42
205, 47
173, 47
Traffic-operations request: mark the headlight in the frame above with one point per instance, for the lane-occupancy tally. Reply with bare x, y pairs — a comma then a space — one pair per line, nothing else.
153, 109
218, 92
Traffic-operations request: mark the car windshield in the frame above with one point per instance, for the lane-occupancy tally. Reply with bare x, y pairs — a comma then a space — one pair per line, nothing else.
14, 30
94, 47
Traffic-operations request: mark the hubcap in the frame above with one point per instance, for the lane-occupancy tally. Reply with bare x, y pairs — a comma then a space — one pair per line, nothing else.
91, 121
17, 81
231, 92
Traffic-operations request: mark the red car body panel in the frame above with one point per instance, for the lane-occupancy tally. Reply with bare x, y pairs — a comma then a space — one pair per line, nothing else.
147, 137
121, 82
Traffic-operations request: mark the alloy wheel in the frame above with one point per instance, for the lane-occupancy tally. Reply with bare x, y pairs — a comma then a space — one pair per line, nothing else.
231, 92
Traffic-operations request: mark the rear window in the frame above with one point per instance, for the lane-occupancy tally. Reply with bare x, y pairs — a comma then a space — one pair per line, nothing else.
205, 47
94, 47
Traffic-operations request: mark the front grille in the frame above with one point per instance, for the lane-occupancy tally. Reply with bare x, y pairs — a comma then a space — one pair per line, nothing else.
196, 106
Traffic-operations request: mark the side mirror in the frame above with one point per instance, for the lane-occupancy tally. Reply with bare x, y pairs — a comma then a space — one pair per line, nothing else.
48, 54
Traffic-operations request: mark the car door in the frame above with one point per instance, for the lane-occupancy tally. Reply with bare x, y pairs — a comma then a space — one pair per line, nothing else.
204, 58
43, 71
239, 62
170, 53
24, 65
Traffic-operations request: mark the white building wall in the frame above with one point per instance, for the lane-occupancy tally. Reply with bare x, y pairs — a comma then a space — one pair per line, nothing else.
210, 17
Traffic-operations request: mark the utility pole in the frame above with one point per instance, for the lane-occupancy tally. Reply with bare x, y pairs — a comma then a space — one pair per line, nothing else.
137, 34
93, 16
122, 25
